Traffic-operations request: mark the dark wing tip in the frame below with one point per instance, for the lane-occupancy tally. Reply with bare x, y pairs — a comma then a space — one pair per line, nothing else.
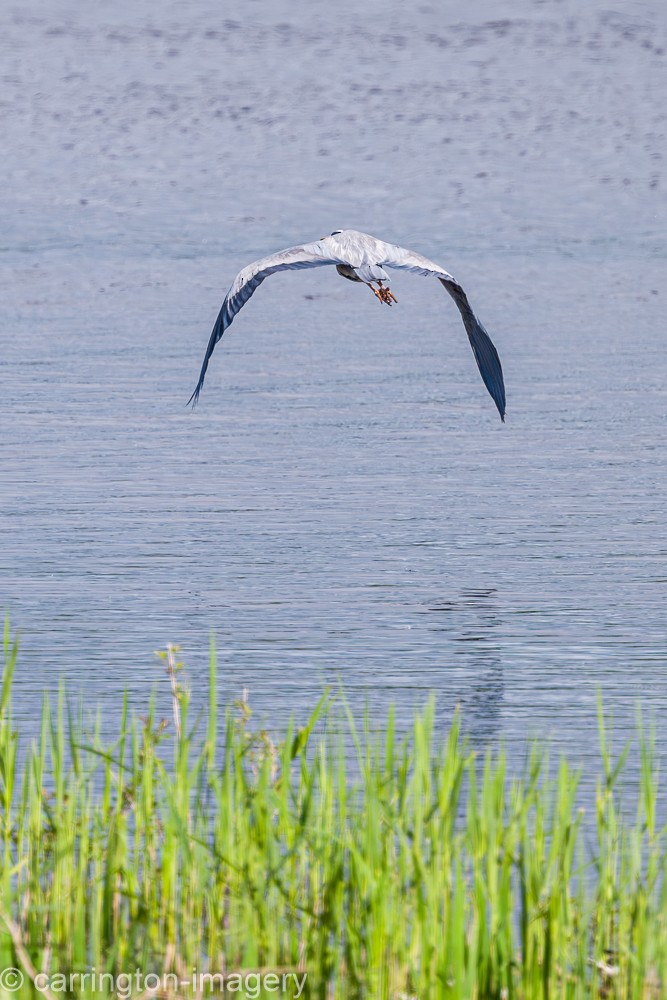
485, 353
194, 398
488, 362
489, 366
216, 334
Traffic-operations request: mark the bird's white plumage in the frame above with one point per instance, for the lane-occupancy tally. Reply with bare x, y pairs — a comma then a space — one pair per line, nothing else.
364, 258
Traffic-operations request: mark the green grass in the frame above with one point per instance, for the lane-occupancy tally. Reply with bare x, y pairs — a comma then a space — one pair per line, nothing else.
381, 868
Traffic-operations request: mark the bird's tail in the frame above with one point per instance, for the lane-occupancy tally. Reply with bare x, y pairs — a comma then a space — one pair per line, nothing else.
372, 272
485, 353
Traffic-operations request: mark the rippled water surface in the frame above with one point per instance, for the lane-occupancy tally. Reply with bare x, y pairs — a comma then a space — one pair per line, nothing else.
344, 504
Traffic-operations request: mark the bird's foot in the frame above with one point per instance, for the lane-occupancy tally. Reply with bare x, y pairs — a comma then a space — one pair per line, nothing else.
384, 294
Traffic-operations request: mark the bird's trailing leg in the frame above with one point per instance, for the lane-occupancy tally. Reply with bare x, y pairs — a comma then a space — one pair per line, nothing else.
383, 293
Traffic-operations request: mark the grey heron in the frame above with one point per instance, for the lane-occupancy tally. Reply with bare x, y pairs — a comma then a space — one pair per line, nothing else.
360, 257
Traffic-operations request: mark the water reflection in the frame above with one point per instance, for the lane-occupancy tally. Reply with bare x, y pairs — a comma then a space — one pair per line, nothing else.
472, 622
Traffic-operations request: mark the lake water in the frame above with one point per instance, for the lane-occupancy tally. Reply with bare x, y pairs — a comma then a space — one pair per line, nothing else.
344, 505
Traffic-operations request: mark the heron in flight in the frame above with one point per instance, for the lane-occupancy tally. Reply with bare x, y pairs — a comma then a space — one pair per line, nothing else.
360, 257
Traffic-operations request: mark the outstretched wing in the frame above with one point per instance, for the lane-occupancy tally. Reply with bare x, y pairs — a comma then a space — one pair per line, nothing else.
251, 277
485, 353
